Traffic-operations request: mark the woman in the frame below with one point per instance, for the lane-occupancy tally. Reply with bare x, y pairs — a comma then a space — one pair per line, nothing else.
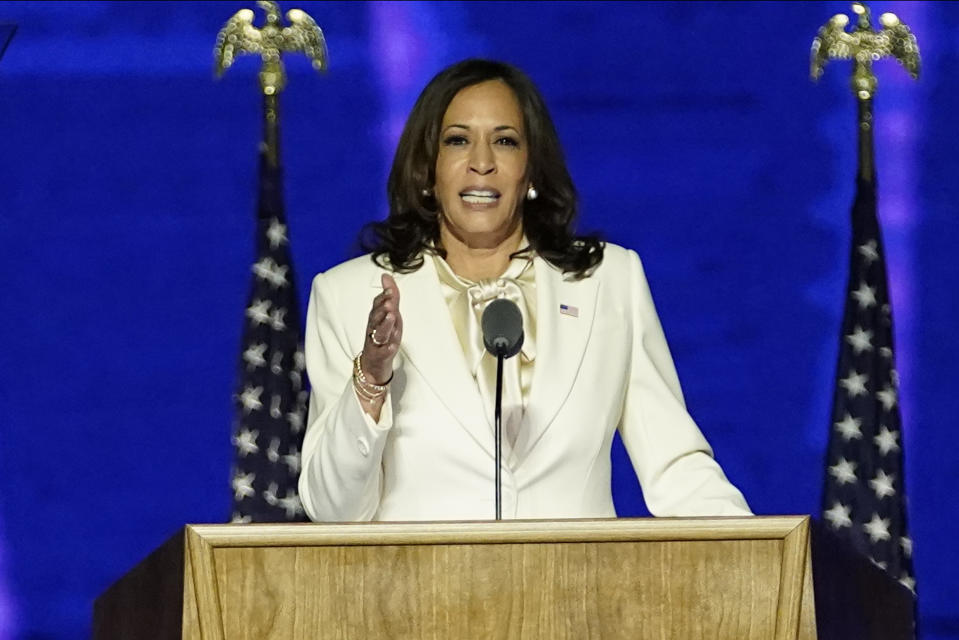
400, 421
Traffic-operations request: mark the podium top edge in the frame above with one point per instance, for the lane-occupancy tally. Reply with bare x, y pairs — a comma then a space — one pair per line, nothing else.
503, 532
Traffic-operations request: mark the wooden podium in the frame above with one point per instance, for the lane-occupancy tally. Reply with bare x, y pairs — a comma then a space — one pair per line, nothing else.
736, 578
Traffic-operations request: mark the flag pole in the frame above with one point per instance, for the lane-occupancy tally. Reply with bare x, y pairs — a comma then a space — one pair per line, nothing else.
271, 395
863, 498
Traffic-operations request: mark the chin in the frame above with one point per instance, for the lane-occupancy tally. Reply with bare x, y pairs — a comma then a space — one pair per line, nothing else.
482, 234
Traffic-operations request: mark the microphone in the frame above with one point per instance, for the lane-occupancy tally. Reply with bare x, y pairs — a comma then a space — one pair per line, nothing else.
502, 328
502, 325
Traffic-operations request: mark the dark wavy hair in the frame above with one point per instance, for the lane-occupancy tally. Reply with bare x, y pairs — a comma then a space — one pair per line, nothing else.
412, 226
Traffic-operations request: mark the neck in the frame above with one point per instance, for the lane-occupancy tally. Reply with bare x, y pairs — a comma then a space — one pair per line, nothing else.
478, 261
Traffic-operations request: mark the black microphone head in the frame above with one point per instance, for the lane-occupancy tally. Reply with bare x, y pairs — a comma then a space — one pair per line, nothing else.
502, 328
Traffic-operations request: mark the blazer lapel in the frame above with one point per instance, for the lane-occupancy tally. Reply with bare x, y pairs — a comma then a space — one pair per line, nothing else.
432, 348
561, 337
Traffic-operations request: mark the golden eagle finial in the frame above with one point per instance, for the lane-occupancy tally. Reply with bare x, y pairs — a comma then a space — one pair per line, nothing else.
864, 45
238, 36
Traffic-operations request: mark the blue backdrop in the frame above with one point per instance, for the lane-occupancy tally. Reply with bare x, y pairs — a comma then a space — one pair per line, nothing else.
692, 130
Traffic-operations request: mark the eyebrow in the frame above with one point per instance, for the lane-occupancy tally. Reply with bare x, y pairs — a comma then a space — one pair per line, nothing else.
502, 127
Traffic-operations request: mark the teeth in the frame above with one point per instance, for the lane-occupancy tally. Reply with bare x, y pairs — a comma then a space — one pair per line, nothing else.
473, 199
479, 196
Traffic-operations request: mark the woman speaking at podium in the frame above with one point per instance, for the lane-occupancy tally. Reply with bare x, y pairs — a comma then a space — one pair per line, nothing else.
400, 422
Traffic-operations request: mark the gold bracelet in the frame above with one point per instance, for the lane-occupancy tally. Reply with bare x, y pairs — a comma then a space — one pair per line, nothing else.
366, 395
368, 389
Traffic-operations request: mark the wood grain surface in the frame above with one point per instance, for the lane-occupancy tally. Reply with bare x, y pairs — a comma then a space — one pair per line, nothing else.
694, 578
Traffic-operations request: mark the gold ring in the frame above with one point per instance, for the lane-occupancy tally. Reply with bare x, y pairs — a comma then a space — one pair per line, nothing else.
372, 335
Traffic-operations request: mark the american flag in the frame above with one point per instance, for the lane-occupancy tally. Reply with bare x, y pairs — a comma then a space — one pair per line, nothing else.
864, 497
271, 393
567, 310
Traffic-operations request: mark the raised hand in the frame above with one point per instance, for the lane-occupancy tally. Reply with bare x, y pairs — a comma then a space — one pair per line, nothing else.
384, 331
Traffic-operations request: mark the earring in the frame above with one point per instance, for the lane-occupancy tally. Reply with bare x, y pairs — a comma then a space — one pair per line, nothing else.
426, 193
531, 193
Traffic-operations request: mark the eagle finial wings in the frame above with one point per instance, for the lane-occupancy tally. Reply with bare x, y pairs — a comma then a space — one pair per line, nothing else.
902, 43
864, 44
237, 36
832, 43
306, 36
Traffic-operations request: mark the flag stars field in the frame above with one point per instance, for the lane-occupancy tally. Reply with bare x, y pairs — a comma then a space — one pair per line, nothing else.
245, 442
250, 399
860, 339
270, 393
839, 516
844, 471
877, 529
869, 251
882, 484
865, 296
855, 384
850, 428
259, 312
906, 544
888, 397
243, 485
863, 497
254, 356
276, 234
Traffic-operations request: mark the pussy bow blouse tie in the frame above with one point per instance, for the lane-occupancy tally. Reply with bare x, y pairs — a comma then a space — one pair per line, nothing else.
478, 296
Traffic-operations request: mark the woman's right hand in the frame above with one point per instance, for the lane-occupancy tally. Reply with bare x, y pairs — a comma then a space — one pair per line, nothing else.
384, 331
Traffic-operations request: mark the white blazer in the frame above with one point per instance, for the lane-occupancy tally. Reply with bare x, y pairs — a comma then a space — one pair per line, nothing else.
431, 456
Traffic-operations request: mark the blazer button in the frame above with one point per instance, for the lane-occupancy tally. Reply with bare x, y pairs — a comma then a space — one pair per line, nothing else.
363, 446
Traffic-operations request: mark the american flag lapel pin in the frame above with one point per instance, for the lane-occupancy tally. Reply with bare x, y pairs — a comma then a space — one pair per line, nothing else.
568, 310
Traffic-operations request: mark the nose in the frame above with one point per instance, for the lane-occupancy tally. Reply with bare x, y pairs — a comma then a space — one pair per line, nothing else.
482, 160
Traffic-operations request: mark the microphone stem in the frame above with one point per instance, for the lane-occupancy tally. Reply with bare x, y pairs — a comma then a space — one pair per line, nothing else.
498, 436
